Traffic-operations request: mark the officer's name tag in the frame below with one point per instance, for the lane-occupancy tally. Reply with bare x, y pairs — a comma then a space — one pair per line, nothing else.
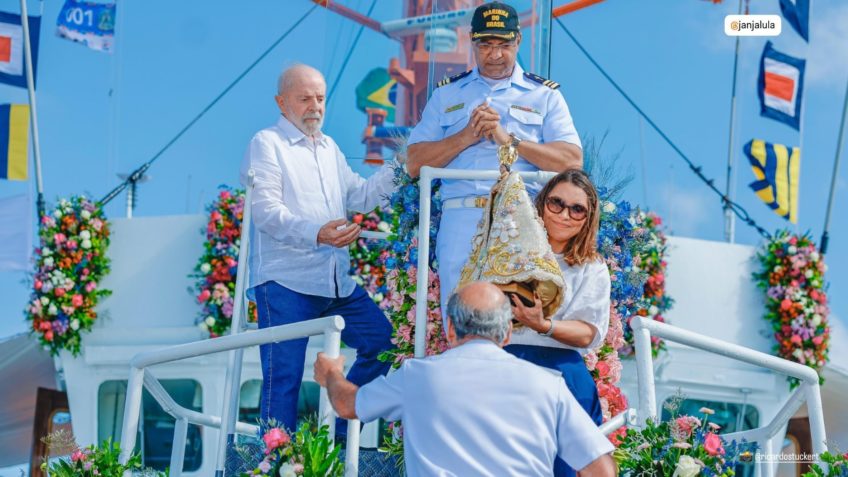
455, 107
525, 108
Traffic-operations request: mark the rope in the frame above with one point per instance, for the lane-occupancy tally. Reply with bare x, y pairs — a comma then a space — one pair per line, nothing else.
737, 209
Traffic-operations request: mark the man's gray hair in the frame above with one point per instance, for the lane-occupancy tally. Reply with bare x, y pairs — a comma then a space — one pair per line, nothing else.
493, 323
288, 75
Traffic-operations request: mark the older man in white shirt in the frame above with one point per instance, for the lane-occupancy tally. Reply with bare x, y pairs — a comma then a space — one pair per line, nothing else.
299, 260
476, 410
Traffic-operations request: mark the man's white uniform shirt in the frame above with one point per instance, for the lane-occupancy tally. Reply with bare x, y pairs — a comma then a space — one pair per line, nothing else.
300, 185
476, 410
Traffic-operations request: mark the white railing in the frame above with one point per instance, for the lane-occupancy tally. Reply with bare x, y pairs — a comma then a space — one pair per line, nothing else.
808, 391
141, 377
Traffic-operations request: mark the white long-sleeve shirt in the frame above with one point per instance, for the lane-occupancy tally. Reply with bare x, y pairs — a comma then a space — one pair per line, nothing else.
586, 298
300, 184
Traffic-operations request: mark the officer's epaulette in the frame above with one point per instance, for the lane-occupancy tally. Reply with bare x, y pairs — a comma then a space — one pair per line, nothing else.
453, 78
540, 80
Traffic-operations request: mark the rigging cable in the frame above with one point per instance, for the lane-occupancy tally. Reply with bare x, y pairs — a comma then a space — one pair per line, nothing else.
138, 173
737, 209
349, 53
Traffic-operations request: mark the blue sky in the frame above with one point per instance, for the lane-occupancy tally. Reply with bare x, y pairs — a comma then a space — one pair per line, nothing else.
102, 114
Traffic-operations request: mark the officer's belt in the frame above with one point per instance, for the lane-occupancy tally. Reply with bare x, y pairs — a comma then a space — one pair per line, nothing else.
471, 202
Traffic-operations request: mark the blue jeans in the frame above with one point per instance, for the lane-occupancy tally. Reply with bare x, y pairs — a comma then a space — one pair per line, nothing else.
366, 329
577, 379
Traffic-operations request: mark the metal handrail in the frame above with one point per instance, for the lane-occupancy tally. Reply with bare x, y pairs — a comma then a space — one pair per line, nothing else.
140, 377
809, 390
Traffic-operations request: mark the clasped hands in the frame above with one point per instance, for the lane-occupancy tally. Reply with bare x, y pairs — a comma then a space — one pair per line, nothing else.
484, 123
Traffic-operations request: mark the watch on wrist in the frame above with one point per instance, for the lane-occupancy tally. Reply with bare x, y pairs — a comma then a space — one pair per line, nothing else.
550, 331
514, 140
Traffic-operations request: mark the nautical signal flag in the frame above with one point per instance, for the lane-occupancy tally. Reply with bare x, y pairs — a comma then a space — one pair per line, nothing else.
377, 90
89, 23
14, 138
781, 86
778, 171
797, 14
12, 64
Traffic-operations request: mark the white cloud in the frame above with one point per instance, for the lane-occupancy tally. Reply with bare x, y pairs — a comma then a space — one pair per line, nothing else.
686, 210
827, 61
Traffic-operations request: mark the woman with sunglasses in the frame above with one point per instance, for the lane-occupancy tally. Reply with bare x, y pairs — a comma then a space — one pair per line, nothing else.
569, 208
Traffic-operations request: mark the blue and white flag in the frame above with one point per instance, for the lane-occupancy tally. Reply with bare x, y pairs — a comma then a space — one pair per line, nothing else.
781, 86
797, 13
12, 64
89, 23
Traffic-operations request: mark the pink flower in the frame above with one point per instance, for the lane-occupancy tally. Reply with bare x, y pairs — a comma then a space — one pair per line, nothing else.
712, 444
795, 339
786, 304
78, 456
684, 426
37, 284
72, 244
264, 466
76, 300
274, 438
591, 360
818, 340
225, 194
90, 286
59, 291
59, 238
204, 295
603, 369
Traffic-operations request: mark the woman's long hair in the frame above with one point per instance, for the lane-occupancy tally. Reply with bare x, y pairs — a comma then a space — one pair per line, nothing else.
583, 247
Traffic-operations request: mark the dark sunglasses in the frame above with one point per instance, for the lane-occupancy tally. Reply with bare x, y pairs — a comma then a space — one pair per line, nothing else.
555, 205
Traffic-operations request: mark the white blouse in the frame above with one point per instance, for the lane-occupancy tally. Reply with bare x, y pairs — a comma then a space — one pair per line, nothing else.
587, 298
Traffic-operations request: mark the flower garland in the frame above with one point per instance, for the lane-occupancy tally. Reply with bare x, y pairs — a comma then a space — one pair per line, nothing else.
91, 461
617, 241
683, 446
650, 258
70, 262
368, 259
215, 272
402, 277
792, 276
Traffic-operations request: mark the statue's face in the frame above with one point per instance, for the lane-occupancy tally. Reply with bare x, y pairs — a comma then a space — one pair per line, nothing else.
565, 213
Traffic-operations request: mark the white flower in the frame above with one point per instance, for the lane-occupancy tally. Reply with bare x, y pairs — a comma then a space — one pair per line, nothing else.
778, 269
86, 244
210, 320
85, 235
57, 213
817, 319
75, 324
798, 354
52, 310
383, 226
378, 297
287, 470
48, 261
203, 326
359, 281
45, 300
686, 467
792, 250
366, 268
814, 256
46, 251
609, 207
205, 268
653, 310
808, 273
85, 214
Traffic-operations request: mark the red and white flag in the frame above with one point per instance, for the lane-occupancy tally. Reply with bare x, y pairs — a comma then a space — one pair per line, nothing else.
781, 86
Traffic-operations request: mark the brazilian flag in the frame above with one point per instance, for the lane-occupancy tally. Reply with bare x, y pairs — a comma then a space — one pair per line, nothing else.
777, 169
377, 90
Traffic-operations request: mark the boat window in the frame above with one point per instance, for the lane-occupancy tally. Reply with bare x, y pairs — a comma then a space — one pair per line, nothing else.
731, 416
251, 390
157, 431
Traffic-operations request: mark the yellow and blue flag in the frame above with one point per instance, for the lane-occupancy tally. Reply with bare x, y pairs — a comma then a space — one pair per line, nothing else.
14, 138
377, 90
778, 171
